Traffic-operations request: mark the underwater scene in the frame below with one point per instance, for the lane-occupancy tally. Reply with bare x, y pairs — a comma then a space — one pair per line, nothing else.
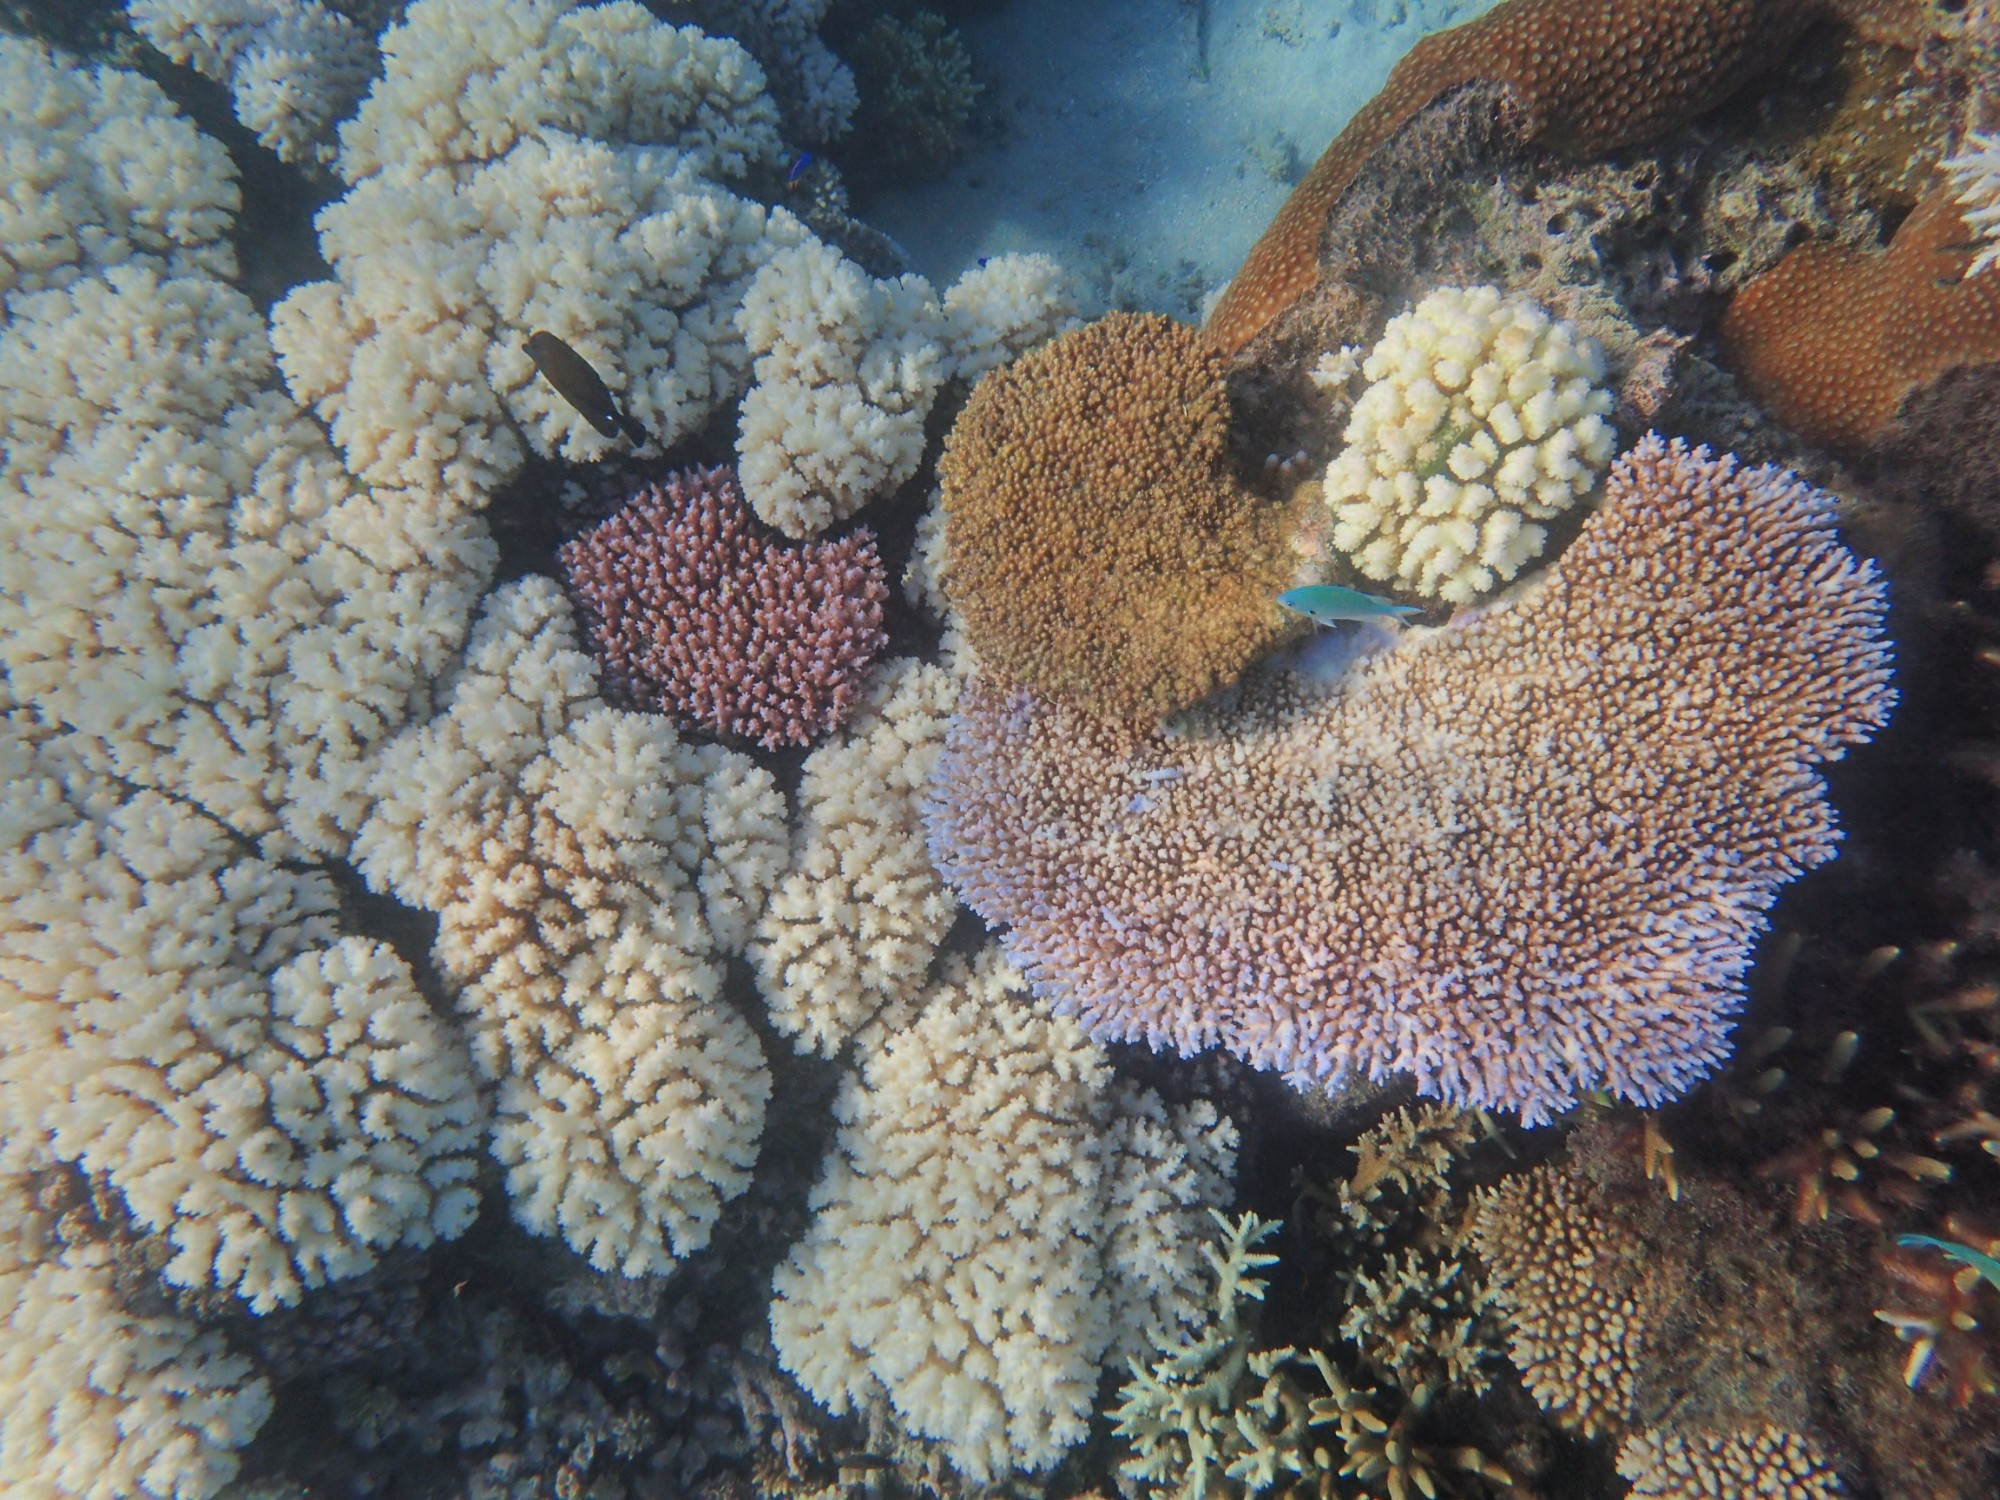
1055, 749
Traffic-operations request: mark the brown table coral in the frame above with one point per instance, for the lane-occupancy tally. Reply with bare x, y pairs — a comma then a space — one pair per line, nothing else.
1590, 76
1101, 551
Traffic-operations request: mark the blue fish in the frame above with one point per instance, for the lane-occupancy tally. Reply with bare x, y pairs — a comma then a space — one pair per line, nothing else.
1981, 1262
805, 160
1329, 603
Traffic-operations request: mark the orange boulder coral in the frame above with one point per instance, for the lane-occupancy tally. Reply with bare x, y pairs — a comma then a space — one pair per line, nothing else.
1100, 549
1590, 76
1833, 341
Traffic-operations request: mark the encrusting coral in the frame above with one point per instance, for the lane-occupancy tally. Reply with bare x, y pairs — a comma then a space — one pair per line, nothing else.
692, 611
1000, 1219
1483, 418
1101, 549
1834, 342
1588, 77
587, 869
850, 930
1517, 857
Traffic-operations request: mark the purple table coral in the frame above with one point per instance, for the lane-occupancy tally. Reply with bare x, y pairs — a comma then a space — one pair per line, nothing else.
1517, 857
695, 610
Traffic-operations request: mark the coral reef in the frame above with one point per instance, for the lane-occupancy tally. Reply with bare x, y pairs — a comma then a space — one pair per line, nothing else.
586, 867
1483, 418
99, 1403
193, 596
1581, 1304
292, 67
1335, 882
1101, 550
999, 1219
519, 167
691, 611
847, 369
851, 928
1760, 1461
1834, 342
813, 89
1586, 79
917, 95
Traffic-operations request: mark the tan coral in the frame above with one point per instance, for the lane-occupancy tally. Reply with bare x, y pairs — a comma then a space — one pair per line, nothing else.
1101, 550
1757, 1463
1580, 1306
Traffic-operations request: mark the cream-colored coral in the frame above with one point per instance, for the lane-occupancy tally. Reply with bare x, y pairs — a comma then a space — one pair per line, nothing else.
1483, 418
1002, 308
583, 863
292, 67
1975, 172
992, 1230
104, 169
847, 368
193, 595
96, 1404
523, 166
178, 1020
1579, 1304
1758, 1463
851, 928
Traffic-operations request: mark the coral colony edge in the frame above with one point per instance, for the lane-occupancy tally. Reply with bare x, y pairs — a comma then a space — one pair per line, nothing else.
649, 852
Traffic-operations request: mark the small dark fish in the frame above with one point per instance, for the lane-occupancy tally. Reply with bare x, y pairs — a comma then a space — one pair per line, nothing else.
581, 386
805, 160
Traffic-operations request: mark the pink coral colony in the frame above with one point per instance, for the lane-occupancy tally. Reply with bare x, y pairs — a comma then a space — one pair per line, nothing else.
695, 611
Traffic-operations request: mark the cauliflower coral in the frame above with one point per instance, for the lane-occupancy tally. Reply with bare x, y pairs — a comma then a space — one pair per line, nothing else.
1483, 418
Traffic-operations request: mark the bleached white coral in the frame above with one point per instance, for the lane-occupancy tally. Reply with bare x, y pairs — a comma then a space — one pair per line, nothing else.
1001, 309
1975, 172
192, 591
1483, 418
523, 166
847, 368
96, 1404
101, 169
813, 88
177, 1019
292, 67
996, 1224
582, 862
851, 928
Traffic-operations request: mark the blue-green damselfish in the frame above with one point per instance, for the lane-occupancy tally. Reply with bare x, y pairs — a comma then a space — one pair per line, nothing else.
1329, 604
1981, 1262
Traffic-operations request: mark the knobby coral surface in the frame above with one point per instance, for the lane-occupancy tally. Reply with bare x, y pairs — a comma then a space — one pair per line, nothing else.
1101, 551
1833, 341
693, 610
1519, 856
1589, 75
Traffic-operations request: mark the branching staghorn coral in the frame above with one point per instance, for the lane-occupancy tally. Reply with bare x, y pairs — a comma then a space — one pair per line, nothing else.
1588, 813
587, 869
